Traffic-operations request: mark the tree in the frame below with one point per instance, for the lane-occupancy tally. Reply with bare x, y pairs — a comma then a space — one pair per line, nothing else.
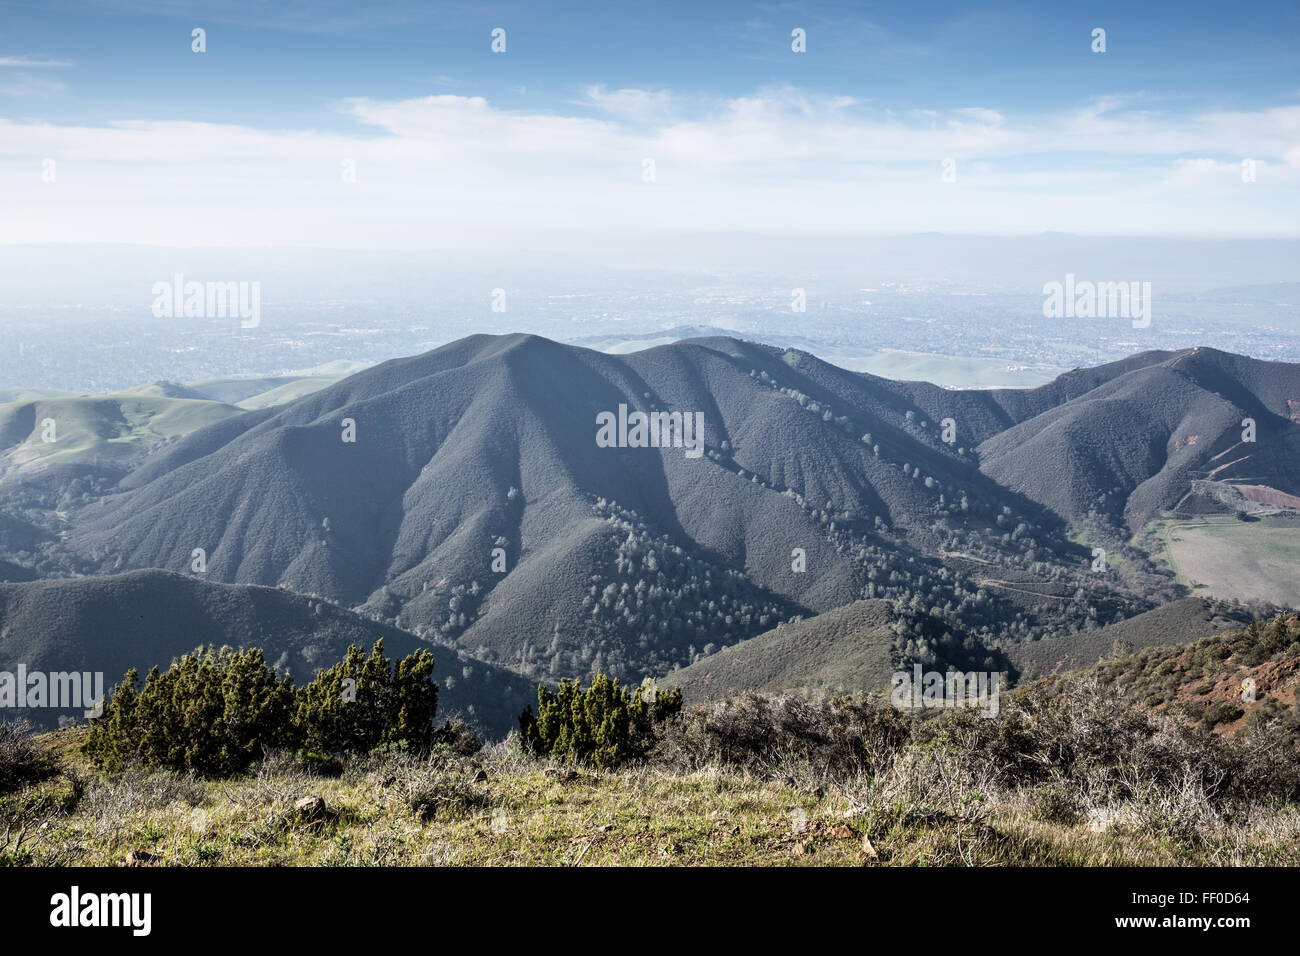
603, 726
363, 702
213, 711
217, 711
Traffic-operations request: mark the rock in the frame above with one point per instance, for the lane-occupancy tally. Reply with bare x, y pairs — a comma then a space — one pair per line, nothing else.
844, 832
139, 858
868, 849
310, 807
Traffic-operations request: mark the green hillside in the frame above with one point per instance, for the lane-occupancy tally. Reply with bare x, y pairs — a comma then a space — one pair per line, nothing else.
106, 433
845, 650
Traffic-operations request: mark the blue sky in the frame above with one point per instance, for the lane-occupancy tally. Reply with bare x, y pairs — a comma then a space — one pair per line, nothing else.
243, 143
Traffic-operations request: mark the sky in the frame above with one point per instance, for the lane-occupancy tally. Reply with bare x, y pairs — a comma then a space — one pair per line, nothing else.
397, 126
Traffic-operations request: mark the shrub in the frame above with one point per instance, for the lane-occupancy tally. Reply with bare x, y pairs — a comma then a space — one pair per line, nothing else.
442, 794
318, 764
216, 711
603, 726
22, 759
213, 711
840, 738
1055, 802
363, 702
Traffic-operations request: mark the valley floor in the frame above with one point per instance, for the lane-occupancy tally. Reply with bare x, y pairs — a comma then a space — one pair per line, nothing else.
1222, 557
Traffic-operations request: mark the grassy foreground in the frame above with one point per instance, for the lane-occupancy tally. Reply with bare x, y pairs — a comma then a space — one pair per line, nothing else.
497, 807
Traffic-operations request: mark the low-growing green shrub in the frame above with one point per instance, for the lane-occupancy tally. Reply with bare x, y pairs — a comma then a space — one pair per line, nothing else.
214, 712
603, 726
1220, 712
363, 702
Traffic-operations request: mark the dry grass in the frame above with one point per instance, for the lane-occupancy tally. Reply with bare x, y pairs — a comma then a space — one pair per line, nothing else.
931, 803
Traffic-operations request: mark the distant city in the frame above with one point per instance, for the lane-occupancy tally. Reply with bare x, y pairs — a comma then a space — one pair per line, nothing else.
930, 331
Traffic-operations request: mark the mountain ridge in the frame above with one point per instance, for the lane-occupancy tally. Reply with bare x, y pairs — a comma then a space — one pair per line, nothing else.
474, 506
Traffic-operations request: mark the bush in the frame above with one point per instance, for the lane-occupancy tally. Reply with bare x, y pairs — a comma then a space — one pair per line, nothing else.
1047, 741
437, 793
603, 726
1055, 802
364, 702
1220, 712
22, 759
216, 711
213, 711
841, 738
318, 764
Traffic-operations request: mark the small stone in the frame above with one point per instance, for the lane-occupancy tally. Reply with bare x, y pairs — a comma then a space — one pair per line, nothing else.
844, 832
309, 807
868, 849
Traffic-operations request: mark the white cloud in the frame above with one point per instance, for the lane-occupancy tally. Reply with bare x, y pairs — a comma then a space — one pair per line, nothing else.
31, 62
637, 105
779, 159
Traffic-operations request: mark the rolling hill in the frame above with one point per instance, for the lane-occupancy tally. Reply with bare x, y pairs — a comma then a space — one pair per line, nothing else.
1179, 622
849, 650
462, 494
53, 441
1130, 446
631, 559
144, 618
844, 650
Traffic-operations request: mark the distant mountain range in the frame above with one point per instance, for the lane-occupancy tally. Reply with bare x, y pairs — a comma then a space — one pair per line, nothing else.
462, 496
627, 558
